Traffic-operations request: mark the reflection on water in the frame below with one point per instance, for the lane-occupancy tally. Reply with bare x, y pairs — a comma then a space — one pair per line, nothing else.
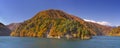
27, 42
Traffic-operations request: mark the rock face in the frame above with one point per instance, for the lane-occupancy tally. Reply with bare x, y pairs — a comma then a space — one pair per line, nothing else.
57, 24
4, 31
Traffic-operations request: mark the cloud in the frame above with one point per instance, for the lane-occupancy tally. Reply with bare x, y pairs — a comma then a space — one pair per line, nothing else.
98, 22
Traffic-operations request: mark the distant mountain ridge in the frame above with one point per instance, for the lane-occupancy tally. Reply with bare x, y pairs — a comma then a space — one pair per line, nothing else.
100, 29
56, 24
13, 26
4, 31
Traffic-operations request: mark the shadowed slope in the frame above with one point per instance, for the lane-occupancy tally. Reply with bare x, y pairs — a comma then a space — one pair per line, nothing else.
4, 31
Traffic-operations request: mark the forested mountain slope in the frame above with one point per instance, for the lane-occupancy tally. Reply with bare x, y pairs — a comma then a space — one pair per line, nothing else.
56, 23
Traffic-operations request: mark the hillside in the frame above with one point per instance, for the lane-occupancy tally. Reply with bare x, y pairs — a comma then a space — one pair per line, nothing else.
99, 29
115, 31
57, 24
4, 31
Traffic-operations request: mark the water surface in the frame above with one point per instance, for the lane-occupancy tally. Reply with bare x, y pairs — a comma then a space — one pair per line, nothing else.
29, 42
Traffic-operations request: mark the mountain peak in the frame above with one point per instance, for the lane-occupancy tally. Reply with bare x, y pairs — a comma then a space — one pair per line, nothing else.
57, 23
53, 10
53, 13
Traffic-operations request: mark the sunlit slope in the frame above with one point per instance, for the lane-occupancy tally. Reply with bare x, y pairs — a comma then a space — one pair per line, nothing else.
56, 23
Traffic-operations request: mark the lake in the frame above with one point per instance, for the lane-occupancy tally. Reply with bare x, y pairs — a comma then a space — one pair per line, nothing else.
29, 42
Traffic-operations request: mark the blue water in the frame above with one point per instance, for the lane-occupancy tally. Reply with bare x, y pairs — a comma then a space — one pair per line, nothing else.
27, 42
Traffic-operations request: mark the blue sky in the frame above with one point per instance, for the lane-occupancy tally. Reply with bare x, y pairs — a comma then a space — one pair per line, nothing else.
12, 11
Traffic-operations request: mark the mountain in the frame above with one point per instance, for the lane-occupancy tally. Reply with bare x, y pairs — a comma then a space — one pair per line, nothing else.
13, 26
57, 24
4, 31
115, 31
99, 29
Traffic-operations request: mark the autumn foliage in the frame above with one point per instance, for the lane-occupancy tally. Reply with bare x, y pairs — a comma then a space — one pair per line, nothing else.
54, 23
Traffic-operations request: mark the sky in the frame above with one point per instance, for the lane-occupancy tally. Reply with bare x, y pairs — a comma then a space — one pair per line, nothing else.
106, 12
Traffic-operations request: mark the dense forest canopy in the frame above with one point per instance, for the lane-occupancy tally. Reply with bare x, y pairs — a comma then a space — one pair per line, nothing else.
56, 23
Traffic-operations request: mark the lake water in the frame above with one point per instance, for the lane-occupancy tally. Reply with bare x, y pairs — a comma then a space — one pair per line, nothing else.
27, 42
